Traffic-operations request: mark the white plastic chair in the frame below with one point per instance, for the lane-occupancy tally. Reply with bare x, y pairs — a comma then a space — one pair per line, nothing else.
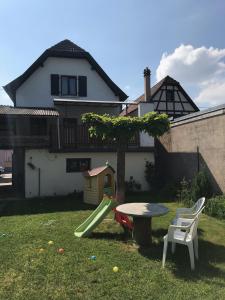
191, 212
185, 234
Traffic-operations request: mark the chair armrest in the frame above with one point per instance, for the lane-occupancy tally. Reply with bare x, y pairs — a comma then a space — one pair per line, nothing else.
184, 210
182, 221
185, 228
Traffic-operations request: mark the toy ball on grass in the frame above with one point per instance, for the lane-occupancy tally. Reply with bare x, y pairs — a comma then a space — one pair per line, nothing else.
50, 243
41, 250
61, 250
93, 257
115, 269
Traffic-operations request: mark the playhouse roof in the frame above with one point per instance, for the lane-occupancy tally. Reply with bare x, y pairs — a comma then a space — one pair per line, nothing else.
97, 171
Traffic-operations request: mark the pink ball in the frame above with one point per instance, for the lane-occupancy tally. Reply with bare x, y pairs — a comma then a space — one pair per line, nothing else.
61, 250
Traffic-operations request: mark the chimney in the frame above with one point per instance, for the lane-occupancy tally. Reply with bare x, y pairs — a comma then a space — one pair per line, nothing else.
147, 84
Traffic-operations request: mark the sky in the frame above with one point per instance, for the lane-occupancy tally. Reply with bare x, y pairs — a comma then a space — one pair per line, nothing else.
181, 38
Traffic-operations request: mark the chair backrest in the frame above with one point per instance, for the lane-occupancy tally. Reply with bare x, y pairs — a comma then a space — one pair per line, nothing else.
194, 225
198, 205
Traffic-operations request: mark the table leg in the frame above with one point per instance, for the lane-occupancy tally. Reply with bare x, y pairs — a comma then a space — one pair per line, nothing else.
142, 231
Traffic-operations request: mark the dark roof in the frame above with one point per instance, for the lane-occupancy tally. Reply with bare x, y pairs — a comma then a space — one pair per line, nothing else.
96, 171
213, 111
65, 49
9, 110
166, 80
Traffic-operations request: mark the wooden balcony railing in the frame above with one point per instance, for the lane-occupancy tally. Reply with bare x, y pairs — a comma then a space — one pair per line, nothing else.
79, 138
12, 141
71, 138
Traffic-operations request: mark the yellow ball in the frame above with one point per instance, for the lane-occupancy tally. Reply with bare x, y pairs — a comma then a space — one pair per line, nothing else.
41, 250
115, 269
50, 242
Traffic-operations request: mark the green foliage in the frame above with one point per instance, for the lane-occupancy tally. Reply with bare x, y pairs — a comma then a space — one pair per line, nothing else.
200, 186
150, 175
132, 185
184, 193
116, 127
216, 207
190, 192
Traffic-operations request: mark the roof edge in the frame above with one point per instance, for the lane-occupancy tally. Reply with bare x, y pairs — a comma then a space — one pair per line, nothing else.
12, 86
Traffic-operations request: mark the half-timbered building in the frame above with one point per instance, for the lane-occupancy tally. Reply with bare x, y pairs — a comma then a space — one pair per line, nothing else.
167, 96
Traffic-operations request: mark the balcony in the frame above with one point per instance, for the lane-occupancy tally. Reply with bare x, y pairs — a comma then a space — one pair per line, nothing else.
15, 141
78, 139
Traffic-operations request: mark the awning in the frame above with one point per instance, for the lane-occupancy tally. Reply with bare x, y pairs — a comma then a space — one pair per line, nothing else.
45, 112
91, 102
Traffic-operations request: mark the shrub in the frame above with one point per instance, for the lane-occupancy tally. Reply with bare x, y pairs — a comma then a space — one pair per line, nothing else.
190, 192
215, 207
151, 175
132, 185
184, 193
201, 186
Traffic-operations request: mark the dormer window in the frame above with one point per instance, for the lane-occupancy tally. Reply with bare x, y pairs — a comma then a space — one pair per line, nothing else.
169, 95
65, 85
69, 85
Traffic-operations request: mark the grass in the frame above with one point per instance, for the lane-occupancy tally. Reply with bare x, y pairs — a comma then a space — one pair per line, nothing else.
27, 274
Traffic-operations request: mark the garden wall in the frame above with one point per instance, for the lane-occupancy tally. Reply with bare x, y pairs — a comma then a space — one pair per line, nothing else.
194, 142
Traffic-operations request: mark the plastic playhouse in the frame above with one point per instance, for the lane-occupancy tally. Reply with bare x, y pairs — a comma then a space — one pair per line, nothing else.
97, 182
99, 189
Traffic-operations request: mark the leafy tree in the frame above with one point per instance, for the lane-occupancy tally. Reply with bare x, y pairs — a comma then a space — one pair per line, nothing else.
120, 130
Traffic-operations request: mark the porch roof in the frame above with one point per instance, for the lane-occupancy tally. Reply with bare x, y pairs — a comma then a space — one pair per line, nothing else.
46, 112
71, 101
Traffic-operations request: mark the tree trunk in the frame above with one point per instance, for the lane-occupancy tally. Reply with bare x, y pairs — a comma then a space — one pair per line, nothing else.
120, 187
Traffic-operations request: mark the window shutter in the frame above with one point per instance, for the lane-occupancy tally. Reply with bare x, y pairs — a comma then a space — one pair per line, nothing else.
82, 86
54, 84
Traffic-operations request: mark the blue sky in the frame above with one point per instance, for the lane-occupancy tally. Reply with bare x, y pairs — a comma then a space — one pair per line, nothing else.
124, 36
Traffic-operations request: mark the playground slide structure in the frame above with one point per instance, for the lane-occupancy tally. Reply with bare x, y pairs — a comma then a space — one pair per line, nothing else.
95, 218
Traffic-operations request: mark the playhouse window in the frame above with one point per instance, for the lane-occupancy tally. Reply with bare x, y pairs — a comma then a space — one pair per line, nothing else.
77, 164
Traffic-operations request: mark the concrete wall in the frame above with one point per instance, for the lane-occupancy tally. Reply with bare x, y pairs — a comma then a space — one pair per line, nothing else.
36, 90
192, 145
54, 180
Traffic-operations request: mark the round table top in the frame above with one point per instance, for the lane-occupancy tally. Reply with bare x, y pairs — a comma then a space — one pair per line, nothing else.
143, 209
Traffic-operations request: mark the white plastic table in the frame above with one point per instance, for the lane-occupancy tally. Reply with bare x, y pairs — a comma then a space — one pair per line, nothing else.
142, 214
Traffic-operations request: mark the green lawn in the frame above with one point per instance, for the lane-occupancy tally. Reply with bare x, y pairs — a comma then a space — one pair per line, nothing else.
27, 274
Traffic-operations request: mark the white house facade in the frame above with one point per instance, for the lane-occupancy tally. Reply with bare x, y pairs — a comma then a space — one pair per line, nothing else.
51, 146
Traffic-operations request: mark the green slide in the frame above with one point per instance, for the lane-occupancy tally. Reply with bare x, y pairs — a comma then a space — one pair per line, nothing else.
95, 218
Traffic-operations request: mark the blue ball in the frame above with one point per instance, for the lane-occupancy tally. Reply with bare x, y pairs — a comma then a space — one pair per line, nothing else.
93, 257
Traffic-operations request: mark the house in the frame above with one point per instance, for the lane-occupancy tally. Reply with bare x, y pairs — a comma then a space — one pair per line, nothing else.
51, 146
167, 96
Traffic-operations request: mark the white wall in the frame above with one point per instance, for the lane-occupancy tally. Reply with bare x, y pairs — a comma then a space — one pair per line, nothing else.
55, 180
36, 90
145, 139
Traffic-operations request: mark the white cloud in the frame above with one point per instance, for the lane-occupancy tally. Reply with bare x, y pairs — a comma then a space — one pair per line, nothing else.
202, 68
4, 98
212, 95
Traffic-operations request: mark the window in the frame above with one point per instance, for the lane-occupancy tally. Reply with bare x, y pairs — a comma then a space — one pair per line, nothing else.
77, 164
69, 85
169, 95
38, 126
